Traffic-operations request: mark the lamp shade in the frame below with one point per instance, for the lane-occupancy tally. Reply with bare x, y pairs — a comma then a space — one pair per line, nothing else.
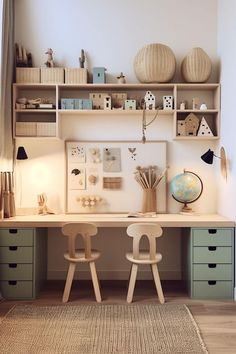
208, 156
21, 153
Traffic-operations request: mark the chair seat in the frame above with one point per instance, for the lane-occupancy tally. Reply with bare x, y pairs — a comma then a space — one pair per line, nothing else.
144, 258
80, 256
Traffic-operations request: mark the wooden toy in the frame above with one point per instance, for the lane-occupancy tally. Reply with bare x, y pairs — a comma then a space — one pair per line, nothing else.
204, 129
130, 104
149, 100
98, 99
195, 103
121, 79
181, 128
107, 103
118, 100
191, 124
112, 182
167, 102
89, 200
49, 63
99, 76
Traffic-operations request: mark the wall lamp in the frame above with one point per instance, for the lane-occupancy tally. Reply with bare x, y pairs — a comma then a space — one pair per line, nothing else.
209, 155
21, 153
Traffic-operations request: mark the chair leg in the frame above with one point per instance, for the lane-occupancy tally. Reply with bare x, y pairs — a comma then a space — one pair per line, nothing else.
132, 280
69, 279
95, 281
157, 283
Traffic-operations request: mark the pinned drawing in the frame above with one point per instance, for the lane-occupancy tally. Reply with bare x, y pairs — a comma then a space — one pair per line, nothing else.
76, 177
94, 155
76, 153
111, 160
133, 153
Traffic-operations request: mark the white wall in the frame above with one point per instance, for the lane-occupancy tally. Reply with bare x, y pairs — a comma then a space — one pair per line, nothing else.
111, 33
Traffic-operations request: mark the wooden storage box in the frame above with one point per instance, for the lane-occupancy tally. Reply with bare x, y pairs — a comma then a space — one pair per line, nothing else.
28, 75
76, 76
46, 129
26, 129
52, 75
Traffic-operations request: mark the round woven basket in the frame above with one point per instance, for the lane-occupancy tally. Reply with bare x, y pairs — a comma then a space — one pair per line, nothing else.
196, 66
155, 63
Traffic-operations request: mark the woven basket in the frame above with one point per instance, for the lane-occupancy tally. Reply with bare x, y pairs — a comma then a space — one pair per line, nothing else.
196, 66
155, 63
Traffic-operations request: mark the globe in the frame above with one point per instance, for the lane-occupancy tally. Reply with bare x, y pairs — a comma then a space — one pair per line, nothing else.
186, 188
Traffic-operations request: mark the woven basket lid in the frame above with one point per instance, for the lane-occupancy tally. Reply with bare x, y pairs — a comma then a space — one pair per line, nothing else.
155, 63
196, 66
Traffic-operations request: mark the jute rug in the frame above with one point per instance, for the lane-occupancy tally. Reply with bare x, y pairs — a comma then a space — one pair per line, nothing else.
100, 329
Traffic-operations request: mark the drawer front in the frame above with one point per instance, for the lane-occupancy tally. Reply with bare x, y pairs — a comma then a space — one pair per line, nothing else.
15, 254
212, 272
212, 237
213, 290
17, 289
16, 237
212, 254
14, 271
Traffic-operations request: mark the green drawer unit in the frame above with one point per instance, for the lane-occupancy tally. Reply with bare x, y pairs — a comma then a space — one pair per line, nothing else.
212, 289
212, 271
212, 237
14, 290
23, 262
14, 271
16, 237
212, 254
208, 262
15, 254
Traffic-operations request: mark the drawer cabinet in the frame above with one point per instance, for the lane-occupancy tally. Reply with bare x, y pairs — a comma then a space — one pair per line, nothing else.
208, 262
23, 257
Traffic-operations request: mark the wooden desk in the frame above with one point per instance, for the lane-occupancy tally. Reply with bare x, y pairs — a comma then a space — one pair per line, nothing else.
23, 249
118, 220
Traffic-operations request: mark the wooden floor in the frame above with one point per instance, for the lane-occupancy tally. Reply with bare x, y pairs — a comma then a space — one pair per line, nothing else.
216, 319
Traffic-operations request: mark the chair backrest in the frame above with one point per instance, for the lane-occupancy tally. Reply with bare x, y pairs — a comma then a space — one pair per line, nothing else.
150, 230
86, 230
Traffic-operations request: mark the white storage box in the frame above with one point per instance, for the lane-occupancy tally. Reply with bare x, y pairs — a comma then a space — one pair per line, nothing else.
26, 129
46, 129
28, 75
52, 75
76, 76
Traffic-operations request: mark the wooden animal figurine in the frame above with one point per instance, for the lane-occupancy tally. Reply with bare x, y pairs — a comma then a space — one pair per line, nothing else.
42, 207
49, 63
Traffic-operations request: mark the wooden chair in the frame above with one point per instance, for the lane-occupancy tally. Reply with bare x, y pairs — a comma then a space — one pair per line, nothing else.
86, 255
151, 231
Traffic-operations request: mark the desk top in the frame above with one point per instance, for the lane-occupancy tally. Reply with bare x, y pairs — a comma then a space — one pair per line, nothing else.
118, 220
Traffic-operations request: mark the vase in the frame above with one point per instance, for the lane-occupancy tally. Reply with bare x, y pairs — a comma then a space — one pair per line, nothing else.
149, 200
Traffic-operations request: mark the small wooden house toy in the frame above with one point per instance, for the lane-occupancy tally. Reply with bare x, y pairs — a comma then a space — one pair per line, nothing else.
98, 99
181, 128
107, 103
204, 129
118, 100
150, 100
191, 124
99, 76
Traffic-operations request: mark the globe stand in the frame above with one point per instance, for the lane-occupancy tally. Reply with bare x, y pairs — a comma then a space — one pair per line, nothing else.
186, 209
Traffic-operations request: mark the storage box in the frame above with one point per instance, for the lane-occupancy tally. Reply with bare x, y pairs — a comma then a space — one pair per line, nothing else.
28, 75
76, 76
26, 129
46, 129
52, 75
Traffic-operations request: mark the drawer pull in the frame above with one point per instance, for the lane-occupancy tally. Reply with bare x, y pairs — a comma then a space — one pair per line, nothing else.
12, 282
212, 248
13, 248
12, 265
212, 231
212, 282
213, 265
13, 231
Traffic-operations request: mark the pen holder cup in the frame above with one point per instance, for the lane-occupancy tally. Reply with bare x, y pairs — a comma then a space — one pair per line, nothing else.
149, 200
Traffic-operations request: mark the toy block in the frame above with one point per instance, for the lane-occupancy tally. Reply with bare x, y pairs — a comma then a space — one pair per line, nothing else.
107, 103
204, 129
150, 100
167, 102
87, 104
78, 103
130, 104
67, 103
99, 76
181, 128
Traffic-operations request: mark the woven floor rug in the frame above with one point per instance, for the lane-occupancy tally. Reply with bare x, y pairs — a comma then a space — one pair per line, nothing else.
100, 329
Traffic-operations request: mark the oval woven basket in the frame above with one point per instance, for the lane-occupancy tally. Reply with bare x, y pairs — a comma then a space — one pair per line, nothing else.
196, 66
155, 63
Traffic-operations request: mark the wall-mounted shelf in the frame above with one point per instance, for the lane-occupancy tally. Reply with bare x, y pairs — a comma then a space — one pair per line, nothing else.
40, 122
